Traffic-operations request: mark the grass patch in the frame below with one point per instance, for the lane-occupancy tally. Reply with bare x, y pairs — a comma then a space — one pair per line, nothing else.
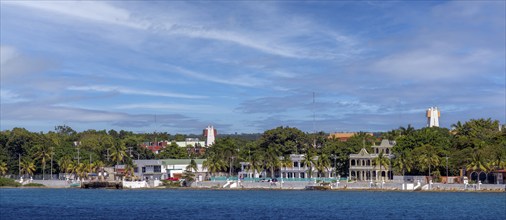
7, 182
34, 185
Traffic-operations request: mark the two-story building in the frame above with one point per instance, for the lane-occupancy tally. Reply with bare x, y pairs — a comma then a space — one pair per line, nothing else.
363, 168
167, 168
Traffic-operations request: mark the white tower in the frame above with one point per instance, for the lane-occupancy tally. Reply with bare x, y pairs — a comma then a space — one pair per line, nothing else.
433, 115
210, 134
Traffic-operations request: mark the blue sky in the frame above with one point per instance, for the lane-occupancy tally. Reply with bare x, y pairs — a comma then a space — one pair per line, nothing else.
250, 66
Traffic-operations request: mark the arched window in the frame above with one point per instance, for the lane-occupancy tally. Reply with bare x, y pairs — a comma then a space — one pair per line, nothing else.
388, 151
368, 162
353, 162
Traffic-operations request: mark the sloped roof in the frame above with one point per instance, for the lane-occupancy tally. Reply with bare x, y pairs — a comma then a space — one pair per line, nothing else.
181, 161
386, 143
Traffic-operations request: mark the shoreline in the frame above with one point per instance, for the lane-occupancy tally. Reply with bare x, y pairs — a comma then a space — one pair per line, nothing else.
270, 189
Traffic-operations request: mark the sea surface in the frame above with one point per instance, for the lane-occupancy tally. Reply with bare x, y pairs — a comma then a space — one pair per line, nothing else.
246, 204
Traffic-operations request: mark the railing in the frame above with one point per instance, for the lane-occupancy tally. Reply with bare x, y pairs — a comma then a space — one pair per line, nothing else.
234, 178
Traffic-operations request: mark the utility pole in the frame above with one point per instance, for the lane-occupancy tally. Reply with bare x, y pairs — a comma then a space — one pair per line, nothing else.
52, 149
19, 165
446, 169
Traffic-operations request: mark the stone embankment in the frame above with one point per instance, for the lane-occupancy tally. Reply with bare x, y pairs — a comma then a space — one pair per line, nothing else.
299, 185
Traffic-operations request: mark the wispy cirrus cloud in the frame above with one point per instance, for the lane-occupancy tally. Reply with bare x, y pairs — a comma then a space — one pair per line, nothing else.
96, 11
122, 90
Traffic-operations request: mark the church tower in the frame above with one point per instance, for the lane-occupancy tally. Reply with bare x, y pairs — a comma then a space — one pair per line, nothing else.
433, 115
210, 134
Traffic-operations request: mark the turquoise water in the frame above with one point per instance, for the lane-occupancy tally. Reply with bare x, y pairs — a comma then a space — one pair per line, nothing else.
246, 204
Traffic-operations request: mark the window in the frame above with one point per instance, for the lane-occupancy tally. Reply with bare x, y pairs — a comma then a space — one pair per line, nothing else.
143, 169
157, 169
295, 164
136, 170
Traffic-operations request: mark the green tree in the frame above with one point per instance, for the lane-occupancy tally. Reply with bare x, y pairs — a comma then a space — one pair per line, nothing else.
478, 163
381, 161
28, 166
43, 153
322, 164
256, 163
3, 168
64, 162
213, 164
271, 159
193, 165
428, 157
173, 151
403, 162
309, 161
118, 153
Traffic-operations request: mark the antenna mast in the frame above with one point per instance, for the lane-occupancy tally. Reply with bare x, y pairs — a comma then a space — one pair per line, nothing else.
314, 126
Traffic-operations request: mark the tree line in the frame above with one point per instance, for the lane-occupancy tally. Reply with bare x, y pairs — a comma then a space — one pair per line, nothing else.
477, 144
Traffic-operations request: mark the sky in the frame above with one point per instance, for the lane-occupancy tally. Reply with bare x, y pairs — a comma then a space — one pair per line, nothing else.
250, 66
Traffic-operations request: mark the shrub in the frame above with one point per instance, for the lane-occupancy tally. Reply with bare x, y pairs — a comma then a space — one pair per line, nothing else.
8, 182
34, 185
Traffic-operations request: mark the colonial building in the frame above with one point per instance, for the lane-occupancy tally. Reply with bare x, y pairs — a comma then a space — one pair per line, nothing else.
362, 167
168, 168
298, 169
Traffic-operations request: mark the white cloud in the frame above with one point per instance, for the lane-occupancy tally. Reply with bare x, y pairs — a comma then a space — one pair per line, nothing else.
236, 80
7, 96
15, 64
193, 108
96, 11
122, 90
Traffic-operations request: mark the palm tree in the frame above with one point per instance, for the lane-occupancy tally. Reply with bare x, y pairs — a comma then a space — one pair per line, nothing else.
322, 164
3, 168
403, 162
129, 170
457, 127
43, 152
27, 166
272, 161
478, 163
70, 168
193, 165
406, 131
64, 163
429, 157
213, 164
309, 161
90, 167
80, 170
286, 161
256, 163
118, 153
382, 161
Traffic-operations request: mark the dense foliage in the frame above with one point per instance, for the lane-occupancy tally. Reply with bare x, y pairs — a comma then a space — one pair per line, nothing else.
473, 145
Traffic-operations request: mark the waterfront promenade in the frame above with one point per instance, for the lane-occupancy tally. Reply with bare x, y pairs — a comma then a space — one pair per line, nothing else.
300, 185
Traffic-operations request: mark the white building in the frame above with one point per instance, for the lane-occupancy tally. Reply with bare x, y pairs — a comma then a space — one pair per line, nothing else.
433, 115
193, 142
167, 168
362, 167
210, 134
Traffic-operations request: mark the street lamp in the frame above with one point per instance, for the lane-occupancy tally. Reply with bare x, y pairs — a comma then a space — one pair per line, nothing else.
446, 169
335, 166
